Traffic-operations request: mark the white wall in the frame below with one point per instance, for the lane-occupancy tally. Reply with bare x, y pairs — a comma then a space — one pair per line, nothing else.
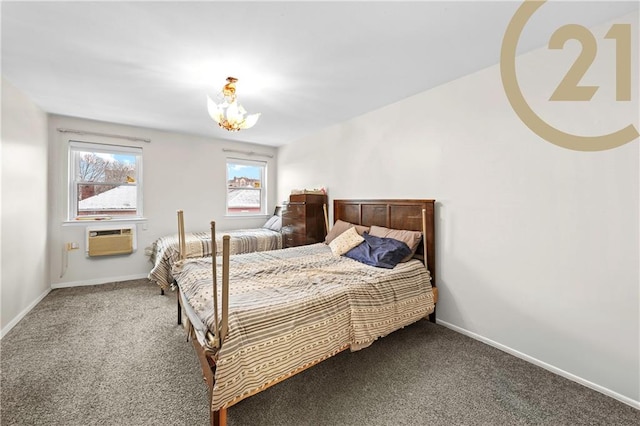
25, 261
537, 245
179, 172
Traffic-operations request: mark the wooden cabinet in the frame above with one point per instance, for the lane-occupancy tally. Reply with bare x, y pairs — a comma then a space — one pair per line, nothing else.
303, 220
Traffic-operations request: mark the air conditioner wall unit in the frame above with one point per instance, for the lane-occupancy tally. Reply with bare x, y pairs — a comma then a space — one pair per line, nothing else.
108, 241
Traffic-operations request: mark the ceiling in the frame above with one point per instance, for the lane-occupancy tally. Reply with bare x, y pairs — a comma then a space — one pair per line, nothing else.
305, 66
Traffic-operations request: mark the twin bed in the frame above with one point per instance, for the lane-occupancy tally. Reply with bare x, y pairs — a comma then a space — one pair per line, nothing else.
165, 251
255, 319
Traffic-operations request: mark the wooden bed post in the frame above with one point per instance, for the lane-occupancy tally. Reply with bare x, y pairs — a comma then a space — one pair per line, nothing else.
181, 244
432, 317
326, 218
215, 284
424, 236
224, 326
181, 255
219, 418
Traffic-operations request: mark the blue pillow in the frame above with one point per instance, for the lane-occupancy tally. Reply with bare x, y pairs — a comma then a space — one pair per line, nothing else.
379, 252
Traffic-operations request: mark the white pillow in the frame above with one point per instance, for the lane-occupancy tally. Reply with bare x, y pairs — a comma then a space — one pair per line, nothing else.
274, 223
345, 242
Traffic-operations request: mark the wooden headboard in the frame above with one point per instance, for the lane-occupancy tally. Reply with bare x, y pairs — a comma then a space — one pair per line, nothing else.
396, 214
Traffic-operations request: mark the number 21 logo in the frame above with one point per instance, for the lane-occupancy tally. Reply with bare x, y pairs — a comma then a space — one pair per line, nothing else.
569, 88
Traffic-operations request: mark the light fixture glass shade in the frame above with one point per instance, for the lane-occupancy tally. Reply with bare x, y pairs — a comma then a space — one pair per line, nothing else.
228, 113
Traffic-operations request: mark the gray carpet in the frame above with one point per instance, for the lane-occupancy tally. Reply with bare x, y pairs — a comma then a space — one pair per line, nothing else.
113, 355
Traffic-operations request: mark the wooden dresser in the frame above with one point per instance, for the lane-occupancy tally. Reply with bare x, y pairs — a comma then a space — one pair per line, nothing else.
303, 220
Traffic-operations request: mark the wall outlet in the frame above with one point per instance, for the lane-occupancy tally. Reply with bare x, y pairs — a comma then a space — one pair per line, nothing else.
73, 246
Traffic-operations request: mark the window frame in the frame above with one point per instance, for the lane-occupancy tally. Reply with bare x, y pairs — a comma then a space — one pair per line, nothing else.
74, 148
263, 165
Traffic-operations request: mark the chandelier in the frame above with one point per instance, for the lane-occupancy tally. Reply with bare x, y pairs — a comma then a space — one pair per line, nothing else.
227, 112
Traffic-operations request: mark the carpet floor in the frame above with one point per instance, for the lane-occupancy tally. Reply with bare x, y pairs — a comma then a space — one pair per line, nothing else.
113, 355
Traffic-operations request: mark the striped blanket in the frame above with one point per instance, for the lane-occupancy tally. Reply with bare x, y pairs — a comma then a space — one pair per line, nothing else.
165, 251
294, 307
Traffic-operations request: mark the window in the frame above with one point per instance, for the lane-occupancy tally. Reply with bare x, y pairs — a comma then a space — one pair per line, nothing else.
104, 180
246, 188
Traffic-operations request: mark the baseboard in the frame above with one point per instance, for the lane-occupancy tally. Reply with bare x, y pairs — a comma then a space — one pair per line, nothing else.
7, 328
99, 281
549, 367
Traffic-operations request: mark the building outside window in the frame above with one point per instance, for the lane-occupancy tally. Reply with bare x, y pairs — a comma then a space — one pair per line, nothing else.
104, 181
246, 187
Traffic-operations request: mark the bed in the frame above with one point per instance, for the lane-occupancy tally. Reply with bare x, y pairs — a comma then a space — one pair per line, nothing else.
164, 251
283, 311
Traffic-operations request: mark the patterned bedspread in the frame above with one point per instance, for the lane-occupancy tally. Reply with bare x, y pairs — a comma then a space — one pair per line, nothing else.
294, 307
165, 251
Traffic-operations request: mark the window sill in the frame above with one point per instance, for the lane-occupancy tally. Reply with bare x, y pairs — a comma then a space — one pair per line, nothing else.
112, 220
248, 216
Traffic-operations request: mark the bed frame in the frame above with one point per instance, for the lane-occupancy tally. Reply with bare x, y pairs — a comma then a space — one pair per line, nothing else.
415, 215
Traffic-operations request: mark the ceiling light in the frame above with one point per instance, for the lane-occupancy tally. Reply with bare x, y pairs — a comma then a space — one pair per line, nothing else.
227, 112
